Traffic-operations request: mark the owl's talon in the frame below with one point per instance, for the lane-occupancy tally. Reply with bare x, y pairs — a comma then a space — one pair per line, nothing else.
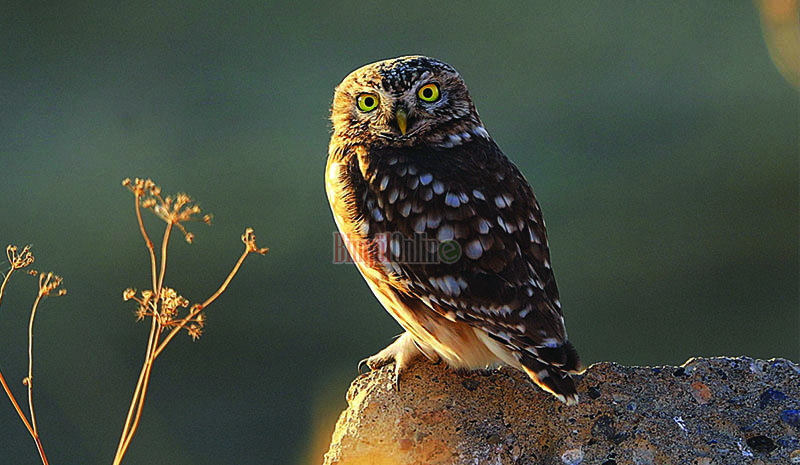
402, 352
361, 364
396, 378
377, 361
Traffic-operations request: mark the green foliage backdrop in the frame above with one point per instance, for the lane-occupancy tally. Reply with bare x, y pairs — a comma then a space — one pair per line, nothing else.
660, 139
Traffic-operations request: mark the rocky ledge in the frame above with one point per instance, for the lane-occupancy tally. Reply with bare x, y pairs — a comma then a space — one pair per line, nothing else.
708, 411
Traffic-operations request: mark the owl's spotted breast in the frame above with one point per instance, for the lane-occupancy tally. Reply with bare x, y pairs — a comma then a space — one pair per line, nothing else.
495, 301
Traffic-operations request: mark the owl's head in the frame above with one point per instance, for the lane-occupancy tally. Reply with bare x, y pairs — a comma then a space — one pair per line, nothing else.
405, 101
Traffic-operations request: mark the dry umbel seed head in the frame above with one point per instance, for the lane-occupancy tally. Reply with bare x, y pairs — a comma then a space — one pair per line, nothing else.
19, 260
173, 210
49, 284
249, 240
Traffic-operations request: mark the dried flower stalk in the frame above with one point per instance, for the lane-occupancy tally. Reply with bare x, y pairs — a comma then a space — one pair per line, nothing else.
49, 286
162, 304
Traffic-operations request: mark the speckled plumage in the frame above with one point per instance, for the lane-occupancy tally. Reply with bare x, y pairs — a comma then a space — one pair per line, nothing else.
405, 174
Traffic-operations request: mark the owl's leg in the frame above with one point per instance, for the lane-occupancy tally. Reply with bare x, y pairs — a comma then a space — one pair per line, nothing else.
402, 352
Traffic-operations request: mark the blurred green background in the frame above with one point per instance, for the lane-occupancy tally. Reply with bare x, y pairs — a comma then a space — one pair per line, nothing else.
660, 138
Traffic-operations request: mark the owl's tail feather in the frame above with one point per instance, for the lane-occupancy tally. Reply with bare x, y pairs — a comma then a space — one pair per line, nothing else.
552, 379
564, 357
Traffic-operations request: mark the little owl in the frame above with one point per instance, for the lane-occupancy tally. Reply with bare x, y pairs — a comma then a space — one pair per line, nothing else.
443, 226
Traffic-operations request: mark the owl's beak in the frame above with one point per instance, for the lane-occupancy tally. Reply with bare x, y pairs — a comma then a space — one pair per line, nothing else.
402, 120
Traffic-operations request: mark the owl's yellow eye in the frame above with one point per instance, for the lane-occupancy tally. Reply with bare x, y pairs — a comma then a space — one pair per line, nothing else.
429, 92
367, 101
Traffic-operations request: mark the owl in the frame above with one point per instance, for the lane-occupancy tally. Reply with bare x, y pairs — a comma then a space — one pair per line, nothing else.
444, 228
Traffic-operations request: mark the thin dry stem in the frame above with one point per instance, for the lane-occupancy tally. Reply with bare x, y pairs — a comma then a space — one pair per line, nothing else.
141, 392
16, 405
163, 271
48, 285
147, 240
29, 380
35, 437
125, 439
5, 281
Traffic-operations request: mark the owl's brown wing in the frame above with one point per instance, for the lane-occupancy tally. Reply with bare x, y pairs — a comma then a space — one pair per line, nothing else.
502, 282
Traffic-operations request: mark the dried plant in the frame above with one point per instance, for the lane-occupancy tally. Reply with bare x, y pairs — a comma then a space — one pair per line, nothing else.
49, 286
162, 304
168, 311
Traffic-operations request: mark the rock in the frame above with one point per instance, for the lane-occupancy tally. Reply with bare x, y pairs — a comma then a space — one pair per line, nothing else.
709, 411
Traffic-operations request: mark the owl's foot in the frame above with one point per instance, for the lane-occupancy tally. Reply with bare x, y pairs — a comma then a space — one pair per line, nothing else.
402, 352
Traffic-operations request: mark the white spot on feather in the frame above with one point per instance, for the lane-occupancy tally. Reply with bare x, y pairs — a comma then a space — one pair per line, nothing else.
452, 200
450, 286
426, 179
500, 222
393, 194
534, 237
507, 227
483, 226
433, 220
550, 343
384, 182
419, 224
478, 194
438, 187
405, 208
445, 233
473, 249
